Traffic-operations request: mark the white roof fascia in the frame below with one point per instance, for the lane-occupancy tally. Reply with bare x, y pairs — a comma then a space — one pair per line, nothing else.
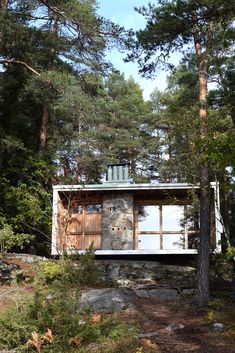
98, 187
137, 252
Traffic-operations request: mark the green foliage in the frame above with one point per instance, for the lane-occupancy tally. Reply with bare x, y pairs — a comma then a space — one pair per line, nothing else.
88, 273
49, 271
15, 325
25, 193
8, 239
55, 306
78, 269
222, 265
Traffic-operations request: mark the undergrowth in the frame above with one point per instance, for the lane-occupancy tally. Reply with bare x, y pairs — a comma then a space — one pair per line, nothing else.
51, 320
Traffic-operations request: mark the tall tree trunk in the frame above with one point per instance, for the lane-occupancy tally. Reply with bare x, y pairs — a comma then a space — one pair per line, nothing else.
4, 5
203, 275
45, 109
43, 128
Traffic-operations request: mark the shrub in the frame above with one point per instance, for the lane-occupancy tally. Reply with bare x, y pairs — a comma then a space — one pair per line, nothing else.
86, 270
8, 238
15, 326
222, 265
48, 272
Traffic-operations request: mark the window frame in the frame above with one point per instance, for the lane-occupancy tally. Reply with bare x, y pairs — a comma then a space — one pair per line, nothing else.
185, 232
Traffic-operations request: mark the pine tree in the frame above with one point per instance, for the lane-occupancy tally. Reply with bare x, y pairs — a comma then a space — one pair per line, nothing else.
202, 27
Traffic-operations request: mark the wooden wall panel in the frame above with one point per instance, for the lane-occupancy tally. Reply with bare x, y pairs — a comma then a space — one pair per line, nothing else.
75, 223
95, 238
74, 241
92, 223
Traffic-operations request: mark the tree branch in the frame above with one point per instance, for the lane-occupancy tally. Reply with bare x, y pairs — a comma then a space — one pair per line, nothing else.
18, 62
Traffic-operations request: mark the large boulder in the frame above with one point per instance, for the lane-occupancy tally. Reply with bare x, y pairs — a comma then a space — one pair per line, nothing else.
107, 300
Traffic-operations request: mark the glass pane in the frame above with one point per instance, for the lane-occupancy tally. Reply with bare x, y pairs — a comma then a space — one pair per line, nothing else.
76, 209
94, 209
147, 241
173, 217
148, 217
173, 241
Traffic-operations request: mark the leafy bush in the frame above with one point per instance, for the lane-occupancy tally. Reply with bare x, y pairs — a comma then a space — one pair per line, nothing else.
88, 273
49, 271
222, 265
56, 307
54, 311
8, 239
77, 269
15, 326
85, 267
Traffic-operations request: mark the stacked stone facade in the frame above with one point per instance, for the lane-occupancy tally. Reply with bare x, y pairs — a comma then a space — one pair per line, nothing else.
117, 221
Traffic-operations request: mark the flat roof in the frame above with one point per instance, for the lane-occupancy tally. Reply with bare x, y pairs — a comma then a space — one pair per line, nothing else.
126, 186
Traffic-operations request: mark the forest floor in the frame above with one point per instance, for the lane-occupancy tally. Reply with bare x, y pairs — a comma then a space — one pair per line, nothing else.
173, 326
177, 326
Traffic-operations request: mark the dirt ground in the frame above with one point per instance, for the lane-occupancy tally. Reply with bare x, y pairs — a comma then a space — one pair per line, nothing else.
178, 327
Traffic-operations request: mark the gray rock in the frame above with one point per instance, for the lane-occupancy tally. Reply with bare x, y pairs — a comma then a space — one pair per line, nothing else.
157, 293
107, 300
218, 326
188, 292
9, 273
144, 272
179, 269
174, 327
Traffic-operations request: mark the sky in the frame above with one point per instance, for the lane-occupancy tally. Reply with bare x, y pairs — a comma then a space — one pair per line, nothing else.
122, 12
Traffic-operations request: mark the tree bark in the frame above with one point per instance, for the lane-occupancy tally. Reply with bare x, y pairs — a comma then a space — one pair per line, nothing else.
203, 274
45, 115
4, 5
43, 128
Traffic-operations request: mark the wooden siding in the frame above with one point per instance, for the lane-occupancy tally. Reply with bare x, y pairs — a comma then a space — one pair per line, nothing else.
79, 226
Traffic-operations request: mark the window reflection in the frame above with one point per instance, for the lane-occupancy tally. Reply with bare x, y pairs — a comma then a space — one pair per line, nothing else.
76, 209
173, 218
148, 217
167, 227
173, 241
94, 209
147, 241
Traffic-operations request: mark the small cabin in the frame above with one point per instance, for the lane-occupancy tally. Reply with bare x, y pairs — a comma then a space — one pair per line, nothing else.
123, 218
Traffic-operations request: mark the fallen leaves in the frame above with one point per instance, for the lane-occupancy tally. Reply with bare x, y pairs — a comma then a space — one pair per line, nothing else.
76, 341
37, 341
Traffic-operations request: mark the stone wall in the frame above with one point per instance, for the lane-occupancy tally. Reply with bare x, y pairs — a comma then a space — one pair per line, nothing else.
128, 273
117, 222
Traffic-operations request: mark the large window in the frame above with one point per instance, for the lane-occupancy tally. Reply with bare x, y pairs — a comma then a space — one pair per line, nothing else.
166, 227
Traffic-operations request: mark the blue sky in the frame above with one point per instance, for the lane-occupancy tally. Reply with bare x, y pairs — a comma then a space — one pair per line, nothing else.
123, 13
